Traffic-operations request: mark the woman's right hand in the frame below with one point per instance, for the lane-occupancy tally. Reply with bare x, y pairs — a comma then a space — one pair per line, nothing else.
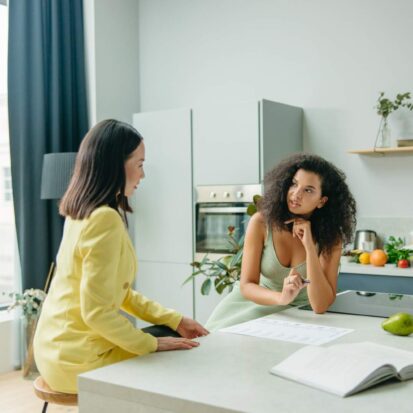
292, 286
173, 343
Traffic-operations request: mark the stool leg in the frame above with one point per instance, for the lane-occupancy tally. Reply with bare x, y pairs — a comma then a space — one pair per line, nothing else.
45, 407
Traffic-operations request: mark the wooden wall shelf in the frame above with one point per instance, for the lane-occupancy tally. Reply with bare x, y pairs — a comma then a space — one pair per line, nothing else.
384, 151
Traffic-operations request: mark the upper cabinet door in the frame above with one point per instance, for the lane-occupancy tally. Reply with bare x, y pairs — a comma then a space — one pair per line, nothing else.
163, 202
226, 144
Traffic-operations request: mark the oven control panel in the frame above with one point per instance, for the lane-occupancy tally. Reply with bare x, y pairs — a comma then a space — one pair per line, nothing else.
227, 193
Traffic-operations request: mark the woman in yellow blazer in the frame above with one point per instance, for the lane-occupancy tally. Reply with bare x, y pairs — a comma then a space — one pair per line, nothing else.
80, 327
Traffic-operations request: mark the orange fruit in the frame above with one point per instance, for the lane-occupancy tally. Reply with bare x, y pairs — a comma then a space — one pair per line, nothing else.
378, 258
364, 258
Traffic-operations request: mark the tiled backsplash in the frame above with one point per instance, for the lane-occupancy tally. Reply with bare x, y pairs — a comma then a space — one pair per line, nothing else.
384, 226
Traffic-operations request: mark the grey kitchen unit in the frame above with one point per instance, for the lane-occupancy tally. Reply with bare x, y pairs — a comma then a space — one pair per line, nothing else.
239, 143
376, 283
207, 145
375, 279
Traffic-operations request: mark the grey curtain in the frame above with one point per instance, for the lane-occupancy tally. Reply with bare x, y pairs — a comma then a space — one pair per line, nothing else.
47, 113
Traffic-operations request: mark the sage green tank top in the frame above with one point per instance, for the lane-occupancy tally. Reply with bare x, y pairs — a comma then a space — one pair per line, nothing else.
273, 272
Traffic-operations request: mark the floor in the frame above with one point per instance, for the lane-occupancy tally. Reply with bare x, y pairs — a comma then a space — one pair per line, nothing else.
17, 396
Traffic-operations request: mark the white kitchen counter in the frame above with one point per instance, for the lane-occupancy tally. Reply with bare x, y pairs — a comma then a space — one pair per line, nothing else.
230, 373
354, 268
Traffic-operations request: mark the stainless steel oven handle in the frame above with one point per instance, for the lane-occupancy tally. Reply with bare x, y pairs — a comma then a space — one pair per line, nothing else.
224, 210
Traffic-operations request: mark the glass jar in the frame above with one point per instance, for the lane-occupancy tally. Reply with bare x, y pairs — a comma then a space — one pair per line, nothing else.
384, 134
28, 327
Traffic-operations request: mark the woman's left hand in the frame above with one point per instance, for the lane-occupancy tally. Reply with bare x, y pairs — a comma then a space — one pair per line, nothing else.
189, 328
302, 230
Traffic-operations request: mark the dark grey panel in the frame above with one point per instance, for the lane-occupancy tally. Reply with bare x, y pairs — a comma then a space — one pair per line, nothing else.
371, 303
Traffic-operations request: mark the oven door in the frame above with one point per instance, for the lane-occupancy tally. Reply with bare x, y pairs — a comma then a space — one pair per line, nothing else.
212, 222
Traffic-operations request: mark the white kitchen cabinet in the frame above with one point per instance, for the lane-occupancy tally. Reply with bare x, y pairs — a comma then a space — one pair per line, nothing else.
239, 143
226, 144
162, 282
163, 201
162, 219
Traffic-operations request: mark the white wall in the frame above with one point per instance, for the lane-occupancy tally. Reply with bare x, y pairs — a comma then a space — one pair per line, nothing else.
112, 58
330, 57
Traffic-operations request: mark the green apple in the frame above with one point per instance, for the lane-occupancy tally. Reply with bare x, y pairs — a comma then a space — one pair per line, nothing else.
400, 324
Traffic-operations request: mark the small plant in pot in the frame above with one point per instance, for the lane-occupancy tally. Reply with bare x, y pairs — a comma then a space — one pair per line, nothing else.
225, 271
384, 108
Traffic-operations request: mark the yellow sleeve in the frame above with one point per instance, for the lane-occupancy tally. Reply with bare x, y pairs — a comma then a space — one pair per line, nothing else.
100, 249
150, 311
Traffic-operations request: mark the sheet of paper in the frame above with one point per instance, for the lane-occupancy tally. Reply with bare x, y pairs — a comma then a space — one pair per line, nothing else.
303, 333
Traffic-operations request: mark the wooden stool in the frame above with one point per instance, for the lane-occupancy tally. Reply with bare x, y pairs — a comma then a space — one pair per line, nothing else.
45, 393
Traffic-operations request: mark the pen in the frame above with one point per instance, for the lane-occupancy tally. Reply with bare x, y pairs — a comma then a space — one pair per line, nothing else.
304, 281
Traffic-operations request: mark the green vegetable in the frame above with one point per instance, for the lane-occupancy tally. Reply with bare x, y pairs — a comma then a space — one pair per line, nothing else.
394, 250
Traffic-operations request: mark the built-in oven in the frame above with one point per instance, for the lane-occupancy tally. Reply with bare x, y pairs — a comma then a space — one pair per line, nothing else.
217, 208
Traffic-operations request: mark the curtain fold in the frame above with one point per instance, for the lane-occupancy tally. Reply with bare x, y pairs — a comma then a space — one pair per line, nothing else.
47, 113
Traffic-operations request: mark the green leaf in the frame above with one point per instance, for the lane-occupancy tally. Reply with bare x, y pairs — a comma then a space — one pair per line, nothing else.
251, 209
220, 288
206, 287
216, 273
190, 278
233, 243
256, 199
204, 259
236, 258
195, 264
221, 265
222, 283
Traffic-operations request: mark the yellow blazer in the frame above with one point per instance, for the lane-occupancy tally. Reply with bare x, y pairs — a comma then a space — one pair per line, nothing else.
80, 327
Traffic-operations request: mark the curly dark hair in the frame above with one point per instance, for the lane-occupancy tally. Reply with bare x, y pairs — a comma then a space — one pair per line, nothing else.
334, 222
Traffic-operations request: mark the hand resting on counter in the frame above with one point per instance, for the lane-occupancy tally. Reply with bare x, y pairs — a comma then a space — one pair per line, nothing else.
188, 329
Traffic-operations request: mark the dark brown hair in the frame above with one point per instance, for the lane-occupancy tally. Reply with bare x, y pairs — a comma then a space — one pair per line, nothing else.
332, 223
99, 174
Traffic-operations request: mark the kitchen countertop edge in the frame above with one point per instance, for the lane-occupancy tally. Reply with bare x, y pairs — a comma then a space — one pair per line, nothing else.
353, 268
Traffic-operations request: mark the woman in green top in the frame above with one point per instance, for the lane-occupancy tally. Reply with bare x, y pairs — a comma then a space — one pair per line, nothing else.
293, 244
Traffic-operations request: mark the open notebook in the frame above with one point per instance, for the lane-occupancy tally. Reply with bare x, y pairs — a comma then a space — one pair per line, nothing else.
345, 369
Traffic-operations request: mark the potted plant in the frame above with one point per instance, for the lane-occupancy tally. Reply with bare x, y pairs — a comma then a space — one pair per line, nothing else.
30, 302
384, 108
224, 272
396, 252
